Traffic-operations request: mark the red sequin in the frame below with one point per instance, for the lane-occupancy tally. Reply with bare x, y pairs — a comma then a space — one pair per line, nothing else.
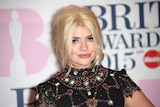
105, 86
91, 103
93, 80
88, 88
78, 83
85, 73
62, 76
69, 91
85, 79
57, 97
102, 70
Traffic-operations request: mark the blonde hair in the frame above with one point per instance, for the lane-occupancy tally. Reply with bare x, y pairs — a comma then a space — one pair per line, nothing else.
66, 21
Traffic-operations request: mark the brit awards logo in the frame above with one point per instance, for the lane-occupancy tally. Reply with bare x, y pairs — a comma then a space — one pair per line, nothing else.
21, 51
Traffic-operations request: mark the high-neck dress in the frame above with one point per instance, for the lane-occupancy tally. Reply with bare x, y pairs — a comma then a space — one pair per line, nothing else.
90, 87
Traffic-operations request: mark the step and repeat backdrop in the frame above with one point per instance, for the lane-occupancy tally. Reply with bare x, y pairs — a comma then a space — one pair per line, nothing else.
131, 40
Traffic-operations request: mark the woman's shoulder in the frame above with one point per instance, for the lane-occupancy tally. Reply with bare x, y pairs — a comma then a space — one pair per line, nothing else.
127, 85
112, 72
48, 84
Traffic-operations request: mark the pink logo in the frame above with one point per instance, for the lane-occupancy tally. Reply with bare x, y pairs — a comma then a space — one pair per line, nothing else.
20, 49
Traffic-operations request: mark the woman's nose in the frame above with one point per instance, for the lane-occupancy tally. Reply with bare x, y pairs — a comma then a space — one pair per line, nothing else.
84, 46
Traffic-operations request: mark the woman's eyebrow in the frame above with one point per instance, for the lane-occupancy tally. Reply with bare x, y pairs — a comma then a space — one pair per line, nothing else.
89, 35
75, 37
79, 37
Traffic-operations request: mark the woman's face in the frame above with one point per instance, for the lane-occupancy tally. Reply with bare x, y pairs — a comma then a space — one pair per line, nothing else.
83, 50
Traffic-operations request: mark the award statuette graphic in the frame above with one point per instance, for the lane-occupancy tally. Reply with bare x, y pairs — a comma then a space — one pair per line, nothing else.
17, 65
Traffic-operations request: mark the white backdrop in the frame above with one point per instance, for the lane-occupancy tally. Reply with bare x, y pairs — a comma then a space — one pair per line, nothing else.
131, 31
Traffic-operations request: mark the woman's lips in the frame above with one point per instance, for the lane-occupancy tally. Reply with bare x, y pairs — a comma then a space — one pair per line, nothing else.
84, 55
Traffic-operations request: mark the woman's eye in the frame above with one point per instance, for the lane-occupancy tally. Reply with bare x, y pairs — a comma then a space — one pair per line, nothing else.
90, 39
74, 41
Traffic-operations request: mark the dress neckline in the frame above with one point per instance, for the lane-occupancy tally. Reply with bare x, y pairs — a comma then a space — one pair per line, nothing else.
84, 72
84, 79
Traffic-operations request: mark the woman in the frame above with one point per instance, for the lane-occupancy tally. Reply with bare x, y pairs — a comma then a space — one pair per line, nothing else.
83, 82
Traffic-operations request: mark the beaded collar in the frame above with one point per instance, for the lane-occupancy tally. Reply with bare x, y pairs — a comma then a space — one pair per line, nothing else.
81, 72
83, 79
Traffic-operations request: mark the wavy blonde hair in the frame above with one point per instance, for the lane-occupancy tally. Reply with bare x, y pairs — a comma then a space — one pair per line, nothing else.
65, 22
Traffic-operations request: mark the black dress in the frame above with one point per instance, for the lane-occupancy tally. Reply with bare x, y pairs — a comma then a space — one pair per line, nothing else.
90, 87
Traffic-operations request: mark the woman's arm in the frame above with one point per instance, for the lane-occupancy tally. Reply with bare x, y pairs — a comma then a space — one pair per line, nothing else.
138, 99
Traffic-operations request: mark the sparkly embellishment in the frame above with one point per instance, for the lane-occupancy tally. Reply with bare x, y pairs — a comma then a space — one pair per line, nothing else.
69, 91
86, 83
117, 86
57, 84
66, 79
110, 102
92, 103
85, 79
37, 96
101, 74
75, 72
72, 82
105, 86
93, 81
102, 70
62, 76
85, 73
78, 83
57, 97
93, 70
88, 88
98, 78
89, 93
112, 75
